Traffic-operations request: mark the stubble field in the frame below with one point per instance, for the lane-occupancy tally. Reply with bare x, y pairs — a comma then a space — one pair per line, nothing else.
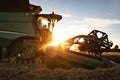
32, 72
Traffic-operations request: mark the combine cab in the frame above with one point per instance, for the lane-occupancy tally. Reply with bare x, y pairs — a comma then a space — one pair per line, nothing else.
24, 33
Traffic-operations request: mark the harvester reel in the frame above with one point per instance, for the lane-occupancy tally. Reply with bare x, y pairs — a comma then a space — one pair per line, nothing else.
80, 40
95, 42
98, 41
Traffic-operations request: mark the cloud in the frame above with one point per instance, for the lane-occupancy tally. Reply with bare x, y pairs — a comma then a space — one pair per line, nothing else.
65, 15
91, 22
37, 2
99, 22
109, 14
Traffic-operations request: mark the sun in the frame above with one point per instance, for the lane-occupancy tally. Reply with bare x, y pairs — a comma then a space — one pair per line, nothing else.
58, 36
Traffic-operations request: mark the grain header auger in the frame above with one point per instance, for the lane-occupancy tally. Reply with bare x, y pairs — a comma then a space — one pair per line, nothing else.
24, 32
80, 51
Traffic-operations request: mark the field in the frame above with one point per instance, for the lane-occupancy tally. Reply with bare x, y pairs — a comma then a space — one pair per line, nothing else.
32, 72
115, 56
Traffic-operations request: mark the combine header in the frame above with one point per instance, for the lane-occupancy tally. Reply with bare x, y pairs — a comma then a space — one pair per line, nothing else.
80, 51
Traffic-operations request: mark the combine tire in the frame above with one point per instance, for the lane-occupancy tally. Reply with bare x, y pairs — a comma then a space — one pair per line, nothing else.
25, 50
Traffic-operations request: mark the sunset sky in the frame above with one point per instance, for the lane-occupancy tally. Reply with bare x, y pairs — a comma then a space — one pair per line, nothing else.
82, 16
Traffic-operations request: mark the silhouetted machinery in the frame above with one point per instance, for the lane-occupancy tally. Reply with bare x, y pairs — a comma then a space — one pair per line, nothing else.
26, 35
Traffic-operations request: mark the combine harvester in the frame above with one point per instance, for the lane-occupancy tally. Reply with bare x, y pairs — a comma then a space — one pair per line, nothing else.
26, 35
